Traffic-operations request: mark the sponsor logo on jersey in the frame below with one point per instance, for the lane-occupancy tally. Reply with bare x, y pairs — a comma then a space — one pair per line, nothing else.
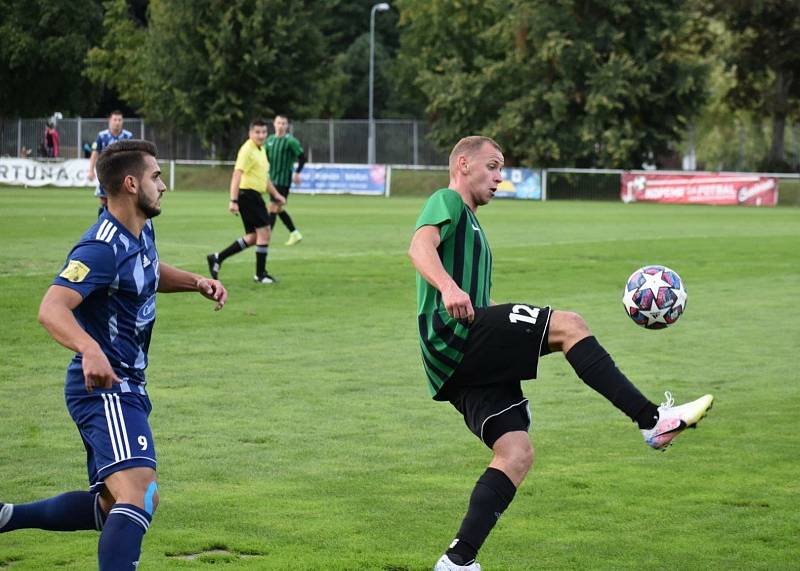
147, 311
75, 272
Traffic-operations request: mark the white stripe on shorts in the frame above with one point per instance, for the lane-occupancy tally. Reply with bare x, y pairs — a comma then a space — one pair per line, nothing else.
110, 429
116, 427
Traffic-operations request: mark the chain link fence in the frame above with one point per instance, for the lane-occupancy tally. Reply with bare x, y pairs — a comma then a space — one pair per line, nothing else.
325, 141
399, 142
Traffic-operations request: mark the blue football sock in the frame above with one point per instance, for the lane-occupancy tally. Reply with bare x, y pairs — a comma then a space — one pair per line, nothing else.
72, 511
121, 540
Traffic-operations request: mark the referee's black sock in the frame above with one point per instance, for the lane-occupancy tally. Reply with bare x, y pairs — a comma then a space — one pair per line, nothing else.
234, 248
261, 259
597, 369
491, 496
287, 220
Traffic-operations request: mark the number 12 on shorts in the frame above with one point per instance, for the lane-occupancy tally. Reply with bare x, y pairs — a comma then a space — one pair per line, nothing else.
523, 313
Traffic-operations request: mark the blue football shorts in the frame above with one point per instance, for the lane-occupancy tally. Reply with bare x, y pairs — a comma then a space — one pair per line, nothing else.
99, 191
115, 432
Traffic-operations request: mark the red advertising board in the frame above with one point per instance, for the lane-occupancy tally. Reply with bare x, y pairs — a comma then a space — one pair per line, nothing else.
699, 188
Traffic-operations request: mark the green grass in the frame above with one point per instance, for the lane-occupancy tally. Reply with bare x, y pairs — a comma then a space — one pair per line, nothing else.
294, 429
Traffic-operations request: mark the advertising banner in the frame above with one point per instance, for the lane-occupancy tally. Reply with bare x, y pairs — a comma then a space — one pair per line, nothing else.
342, 179
699, 188
520, 183
27, 172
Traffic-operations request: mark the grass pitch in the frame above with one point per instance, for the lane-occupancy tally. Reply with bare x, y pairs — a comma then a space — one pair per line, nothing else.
294, 429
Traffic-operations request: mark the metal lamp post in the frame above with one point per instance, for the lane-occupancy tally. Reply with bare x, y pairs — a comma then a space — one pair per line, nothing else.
382, 7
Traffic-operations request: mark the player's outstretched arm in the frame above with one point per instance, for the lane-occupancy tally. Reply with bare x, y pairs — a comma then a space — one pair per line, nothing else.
173, 280
426, 260
55, 315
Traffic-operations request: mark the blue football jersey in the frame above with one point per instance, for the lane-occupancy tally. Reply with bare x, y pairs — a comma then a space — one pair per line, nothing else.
117, 274
104, 139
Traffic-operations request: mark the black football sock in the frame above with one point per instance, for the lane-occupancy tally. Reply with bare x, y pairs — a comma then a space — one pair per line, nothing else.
287, 220
597, 369
234, 248
261, 259
491, 496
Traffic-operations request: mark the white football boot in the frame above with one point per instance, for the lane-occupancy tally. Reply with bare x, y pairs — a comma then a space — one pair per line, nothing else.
444, 564
672, 420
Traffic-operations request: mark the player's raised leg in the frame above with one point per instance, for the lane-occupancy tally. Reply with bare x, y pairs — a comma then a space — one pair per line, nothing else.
71, 511
569, 334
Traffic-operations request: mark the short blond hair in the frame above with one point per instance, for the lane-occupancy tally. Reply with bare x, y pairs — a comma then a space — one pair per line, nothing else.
469, 146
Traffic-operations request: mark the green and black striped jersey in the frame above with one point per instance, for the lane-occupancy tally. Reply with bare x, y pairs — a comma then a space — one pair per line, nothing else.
465, 255
282, 153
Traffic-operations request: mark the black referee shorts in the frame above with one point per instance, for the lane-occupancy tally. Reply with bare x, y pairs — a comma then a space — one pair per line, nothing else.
253, 210
503, 348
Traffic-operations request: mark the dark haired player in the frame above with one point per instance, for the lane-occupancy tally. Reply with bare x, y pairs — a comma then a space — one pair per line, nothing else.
475, 353
248, 184
283, 149
102, 305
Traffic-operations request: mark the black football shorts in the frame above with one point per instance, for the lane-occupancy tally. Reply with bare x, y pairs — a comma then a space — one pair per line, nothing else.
253, 210
503, 348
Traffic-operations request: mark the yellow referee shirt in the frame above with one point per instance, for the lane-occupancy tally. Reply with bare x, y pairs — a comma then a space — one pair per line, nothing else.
252, 161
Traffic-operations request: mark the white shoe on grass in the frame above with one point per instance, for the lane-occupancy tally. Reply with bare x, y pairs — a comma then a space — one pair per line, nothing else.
444, 564
672, 420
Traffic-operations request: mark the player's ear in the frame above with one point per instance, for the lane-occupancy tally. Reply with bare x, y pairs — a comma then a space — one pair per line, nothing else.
130, 184
463, 164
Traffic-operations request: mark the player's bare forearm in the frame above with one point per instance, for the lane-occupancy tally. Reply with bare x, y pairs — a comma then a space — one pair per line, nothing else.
55, 315
273, 192
426, 260
236, 179
92, 162
174, 280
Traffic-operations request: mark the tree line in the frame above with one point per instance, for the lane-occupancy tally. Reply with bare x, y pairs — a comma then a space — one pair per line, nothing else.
594, 83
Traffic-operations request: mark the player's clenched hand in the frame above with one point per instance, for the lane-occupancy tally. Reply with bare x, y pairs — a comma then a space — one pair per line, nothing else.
234, 208
97, 371
213, 290
458, 303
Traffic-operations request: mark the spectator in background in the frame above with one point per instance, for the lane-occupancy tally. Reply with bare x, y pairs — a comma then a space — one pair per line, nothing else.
51, 140
114, 133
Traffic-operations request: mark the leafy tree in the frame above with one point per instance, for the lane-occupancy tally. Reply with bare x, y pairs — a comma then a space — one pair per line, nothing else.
583, 82
765, 63
42, 48
210, 66
344, 89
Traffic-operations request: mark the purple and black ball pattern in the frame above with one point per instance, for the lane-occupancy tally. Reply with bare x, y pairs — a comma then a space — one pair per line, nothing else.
654, 297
